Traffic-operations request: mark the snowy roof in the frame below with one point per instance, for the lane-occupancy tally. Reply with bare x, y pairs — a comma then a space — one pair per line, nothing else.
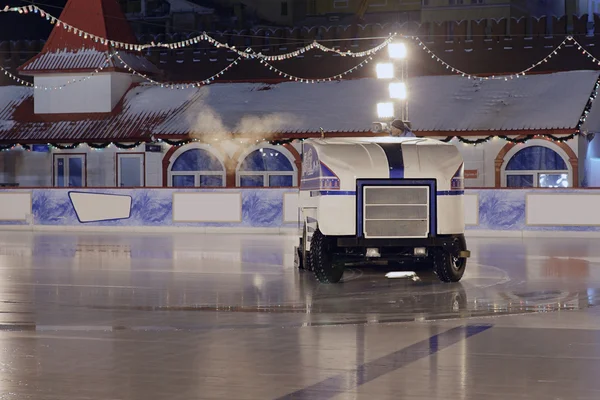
133, 119
438, 106
67, 51
84, 59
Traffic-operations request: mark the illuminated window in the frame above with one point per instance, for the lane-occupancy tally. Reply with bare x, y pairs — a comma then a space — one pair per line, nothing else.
197, 168
266, 167
537, 166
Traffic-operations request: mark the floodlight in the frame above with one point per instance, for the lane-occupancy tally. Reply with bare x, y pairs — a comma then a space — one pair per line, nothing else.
385, 110
385, 70
398, 90
397, 50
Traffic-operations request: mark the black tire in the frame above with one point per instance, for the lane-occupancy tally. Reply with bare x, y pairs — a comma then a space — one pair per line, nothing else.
306, 258
326, 271
447, 265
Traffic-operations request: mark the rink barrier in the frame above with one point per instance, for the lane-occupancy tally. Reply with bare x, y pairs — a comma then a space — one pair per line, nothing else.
488, 212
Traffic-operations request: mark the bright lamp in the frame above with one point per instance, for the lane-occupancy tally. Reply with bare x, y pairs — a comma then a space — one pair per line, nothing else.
385, 70
398, 90
385, 110
397, 50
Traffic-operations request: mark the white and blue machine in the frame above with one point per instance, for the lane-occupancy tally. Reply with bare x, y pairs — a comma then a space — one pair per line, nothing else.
381, 199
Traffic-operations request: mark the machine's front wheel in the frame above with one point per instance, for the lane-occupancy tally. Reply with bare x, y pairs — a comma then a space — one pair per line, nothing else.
321, 259
447, 265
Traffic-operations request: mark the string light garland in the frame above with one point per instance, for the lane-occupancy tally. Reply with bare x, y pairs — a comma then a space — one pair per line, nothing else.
177, 86
317, 80
249, 53
493, 77
188, 42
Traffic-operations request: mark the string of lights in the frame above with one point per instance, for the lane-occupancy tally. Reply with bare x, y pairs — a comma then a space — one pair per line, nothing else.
318, 80
493, 77
177, 86
249, 53
187, 42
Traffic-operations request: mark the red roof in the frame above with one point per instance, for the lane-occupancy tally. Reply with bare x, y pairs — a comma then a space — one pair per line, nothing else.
67, 51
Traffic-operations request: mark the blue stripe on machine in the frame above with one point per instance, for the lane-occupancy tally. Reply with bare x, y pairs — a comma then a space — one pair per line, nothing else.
315, 193
393, 152
450, 192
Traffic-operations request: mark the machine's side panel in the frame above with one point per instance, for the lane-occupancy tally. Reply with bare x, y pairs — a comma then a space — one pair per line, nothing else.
337, 215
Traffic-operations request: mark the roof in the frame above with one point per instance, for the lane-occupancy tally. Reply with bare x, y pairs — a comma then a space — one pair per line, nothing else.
439, 106
67, 51
133, 119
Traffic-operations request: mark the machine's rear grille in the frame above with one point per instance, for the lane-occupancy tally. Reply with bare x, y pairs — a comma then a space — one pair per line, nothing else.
396, 211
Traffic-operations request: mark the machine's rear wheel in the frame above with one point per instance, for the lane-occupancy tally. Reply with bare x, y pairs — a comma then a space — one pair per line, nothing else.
447, 264
322, 262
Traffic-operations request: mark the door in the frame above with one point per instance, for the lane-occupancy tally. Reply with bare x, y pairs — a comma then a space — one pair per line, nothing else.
130, 170
69, 170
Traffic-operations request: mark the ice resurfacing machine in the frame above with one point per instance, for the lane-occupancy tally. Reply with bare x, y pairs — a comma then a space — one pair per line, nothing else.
381, 198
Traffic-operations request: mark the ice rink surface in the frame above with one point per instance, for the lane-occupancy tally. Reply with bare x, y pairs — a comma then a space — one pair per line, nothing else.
184, 316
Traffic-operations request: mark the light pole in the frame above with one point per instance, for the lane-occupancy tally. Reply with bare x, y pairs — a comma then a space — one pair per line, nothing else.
396, 71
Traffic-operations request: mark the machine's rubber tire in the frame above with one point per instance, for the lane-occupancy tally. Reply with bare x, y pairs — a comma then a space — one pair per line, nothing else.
326, 271
307, 263
447, 265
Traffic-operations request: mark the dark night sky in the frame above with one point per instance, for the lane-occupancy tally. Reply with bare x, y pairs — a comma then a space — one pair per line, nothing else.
15, 26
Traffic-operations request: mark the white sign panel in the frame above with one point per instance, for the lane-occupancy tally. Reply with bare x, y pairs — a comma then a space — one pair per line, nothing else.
471, 204
94, 207
562, 209
15, 206
207, 207
290, 207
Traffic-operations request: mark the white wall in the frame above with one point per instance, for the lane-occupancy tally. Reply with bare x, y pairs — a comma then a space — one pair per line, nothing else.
98, 94
35, 169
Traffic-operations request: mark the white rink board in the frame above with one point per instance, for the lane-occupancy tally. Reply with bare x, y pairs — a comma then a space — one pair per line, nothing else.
207, 207
562, 209
15, 206
471, 205
290, 207
92, 207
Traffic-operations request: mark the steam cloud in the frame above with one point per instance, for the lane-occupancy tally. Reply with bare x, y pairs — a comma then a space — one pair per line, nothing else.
208, 124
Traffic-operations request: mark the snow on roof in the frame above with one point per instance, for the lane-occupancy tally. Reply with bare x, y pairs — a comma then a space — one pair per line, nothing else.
65, 50
84, 59
141, 109
438, 105
545, 101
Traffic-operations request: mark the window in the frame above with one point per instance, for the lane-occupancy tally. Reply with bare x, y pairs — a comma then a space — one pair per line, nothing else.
455, 2
450, 30
537, 166
197, 168
69, 170
266, 167
340, 3
131, 169
284, 8
477, 1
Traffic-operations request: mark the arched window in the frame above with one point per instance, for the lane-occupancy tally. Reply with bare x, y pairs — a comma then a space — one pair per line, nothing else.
195, 168
537, 166
266, 167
